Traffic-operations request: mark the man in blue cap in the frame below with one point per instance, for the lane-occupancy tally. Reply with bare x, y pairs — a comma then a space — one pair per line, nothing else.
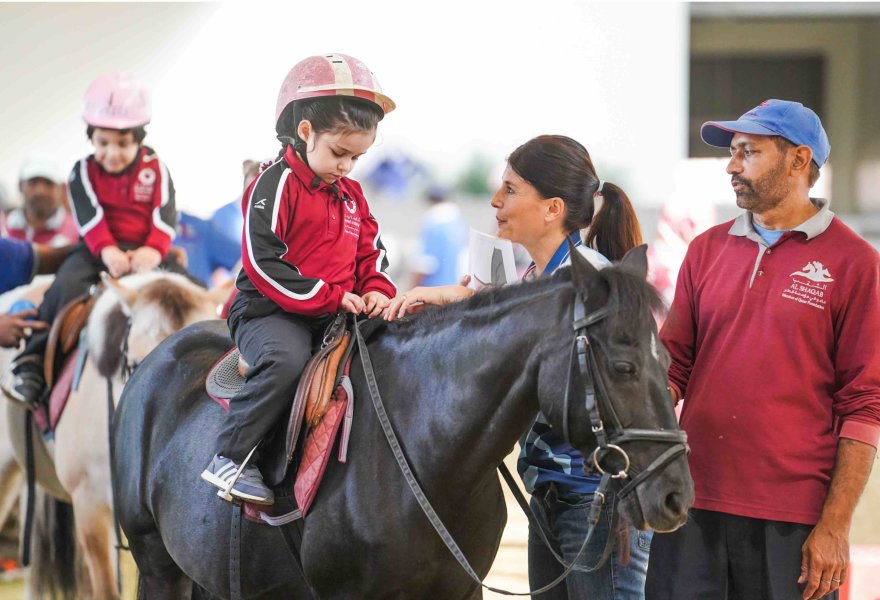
781, 384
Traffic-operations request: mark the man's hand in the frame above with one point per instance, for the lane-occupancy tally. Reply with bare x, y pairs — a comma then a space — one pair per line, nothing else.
352, 303
374, 303
825, 559
116, 260
13, 328
144, 259
826, 551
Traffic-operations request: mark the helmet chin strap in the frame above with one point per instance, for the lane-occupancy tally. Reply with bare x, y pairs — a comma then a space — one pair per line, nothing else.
298, 144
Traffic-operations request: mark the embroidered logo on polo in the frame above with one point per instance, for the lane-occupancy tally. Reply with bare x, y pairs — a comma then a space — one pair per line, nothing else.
814, 271
809, 285
146, 182
351, 221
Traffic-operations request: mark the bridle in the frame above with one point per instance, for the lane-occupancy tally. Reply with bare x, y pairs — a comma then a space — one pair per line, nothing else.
610, 441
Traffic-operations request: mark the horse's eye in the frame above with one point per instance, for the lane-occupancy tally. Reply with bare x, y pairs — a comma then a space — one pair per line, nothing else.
625, 368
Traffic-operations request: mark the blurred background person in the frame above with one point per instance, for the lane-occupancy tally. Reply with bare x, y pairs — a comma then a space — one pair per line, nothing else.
213, 246
211, 253
43, 217
228, 219
443, 242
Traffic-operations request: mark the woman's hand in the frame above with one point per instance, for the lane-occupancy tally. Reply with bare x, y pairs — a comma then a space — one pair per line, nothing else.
144, 259
352, 303
419, 297
116, 260
375, 303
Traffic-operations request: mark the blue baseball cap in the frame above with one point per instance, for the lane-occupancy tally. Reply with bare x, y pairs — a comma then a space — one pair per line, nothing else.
790, 120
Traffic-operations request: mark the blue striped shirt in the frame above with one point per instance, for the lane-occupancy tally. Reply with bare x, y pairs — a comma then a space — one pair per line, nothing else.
545, 456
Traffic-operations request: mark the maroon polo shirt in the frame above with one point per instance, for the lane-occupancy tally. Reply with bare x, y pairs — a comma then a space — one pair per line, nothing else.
774, 350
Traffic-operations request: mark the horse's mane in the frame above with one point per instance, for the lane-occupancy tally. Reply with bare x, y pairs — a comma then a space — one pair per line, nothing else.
172, 295
629, 294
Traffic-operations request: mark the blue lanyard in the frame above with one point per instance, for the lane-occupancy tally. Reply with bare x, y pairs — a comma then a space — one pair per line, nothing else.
559, 257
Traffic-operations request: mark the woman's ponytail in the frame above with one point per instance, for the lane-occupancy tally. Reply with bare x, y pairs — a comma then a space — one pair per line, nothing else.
615, 227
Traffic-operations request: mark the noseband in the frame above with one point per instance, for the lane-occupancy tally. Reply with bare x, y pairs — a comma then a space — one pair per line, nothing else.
610, 440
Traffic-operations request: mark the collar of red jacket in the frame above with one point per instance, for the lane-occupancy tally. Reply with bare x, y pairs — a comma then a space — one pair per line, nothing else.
303, 172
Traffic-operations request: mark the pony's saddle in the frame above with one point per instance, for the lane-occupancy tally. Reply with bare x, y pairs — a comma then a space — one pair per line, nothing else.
322, 402
64, 359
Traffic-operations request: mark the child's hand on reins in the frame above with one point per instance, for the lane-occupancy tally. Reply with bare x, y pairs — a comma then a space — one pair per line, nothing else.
116, 260
144, 259
352, 303
375, 302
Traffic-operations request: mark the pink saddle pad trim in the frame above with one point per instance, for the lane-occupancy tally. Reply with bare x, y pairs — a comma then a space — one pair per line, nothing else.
316, 453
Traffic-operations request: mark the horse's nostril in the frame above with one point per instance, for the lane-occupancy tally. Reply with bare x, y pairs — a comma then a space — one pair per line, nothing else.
674, 503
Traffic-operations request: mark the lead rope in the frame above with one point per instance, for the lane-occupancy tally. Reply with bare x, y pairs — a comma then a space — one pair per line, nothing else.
111, 409
30, 470
535, 524
595, 510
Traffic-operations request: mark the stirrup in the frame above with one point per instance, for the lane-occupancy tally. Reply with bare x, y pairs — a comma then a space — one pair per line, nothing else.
226, 493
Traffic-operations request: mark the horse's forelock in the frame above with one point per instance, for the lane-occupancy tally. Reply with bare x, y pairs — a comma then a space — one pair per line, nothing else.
631, 294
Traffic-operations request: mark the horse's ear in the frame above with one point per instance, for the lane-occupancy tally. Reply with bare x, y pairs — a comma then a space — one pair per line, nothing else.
582, 270
126, 295
636, 261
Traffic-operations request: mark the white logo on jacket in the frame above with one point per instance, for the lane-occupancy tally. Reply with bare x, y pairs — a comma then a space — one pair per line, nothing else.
261, 204
147, 176
814, 271
145, 185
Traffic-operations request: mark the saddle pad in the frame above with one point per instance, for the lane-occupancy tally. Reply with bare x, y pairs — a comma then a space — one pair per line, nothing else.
224, 381
61, 390
316, 453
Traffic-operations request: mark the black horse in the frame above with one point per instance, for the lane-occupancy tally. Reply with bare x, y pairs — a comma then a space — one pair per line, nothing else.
461, 383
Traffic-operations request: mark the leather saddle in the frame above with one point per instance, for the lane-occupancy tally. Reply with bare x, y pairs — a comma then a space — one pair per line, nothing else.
64, 335
313, 397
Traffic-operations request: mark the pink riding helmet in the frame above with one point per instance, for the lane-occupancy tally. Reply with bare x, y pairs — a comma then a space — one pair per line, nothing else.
331, 75
117, 101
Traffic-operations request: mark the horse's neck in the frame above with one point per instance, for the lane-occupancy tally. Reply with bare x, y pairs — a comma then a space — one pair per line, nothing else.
469, 389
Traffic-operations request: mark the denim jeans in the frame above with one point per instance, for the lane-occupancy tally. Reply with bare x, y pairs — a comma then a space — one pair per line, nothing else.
564, 519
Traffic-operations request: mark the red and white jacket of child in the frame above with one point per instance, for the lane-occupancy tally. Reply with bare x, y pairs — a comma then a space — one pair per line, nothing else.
133, 208
305, 242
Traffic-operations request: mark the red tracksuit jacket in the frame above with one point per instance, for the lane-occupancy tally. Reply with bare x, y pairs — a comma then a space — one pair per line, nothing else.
134, 208
305, 243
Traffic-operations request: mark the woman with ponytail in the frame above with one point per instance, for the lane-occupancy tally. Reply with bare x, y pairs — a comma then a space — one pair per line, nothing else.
550, 194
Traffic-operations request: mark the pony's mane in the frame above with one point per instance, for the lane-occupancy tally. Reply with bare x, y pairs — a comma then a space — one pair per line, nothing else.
487, 304
629, 293
172, 293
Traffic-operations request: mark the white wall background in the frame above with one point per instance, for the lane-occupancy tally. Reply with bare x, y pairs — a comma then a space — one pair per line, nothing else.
466, 76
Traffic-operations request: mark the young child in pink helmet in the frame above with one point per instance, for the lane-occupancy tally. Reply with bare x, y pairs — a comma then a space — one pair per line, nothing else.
310, 249
123, 200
